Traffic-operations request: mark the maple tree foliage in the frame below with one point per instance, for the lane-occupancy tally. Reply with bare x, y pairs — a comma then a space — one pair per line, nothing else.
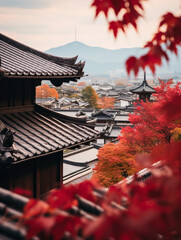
89, 95
115, 163
151, 125
166, 39
106, 102
44, 91
127, 12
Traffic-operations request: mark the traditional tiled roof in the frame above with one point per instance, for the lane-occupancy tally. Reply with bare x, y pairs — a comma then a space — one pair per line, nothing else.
80, 113
18, 60
102, 114
82, 156
144, 87
40, 132
114, 131
72, 173
79, 164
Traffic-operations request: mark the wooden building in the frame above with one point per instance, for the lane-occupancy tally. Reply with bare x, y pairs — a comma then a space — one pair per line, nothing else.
104, 116
32, 138
144, 90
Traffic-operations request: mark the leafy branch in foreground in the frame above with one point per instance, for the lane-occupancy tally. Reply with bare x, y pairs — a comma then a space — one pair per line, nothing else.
127, 13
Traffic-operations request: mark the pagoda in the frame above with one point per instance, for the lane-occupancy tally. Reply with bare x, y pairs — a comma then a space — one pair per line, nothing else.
144, 90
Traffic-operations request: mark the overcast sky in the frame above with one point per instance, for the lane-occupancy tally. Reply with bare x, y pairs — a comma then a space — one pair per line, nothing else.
43, 24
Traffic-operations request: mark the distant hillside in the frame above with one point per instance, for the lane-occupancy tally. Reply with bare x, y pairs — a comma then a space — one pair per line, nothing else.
101, 61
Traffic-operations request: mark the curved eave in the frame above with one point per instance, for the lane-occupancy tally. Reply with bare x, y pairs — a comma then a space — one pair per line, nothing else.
44, 77
143, 90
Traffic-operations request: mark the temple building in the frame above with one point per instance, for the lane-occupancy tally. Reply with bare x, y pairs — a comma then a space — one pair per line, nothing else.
32, 138
144, 90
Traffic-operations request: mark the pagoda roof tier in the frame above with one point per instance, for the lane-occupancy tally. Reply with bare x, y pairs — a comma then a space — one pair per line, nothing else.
144, 87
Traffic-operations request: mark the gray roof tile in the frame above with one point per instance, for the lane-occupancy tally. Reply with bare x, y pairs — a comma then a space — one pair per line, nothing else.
36, 133
19, 60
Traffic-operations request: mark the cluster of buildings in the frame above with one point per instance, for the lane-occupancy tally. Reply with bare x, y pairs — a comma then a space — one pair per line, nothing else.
43, 147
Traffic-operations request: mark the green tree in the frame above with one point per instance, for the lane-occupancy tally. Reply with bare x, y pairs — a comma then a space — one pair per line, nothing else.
89, 95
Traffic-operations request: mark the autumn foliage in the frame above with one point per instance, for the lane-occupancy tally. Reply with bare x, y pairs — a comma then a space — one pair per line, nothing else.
167, 37
89, 95
151, 127
106, 102
115, 163
126, 13
81, 84
44, 91
163, 41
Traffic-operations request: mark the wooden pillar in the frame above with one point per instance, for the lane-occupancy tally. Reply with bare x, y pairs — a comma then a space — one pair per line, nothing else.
61, 169
36, 184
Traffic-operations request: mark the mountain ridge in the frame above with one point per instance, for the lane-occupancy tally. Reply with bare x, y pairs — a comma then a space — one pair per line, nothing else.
106, 61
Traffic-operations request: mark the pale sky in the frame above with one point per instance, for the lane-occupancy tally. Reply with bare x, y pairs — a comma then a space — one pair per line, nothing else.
43, 24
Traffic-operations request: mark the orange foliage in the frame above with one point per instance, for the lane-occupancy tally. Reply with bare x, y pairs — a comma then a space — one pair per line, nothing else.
115, 163
45, 91
119, 83
106, 102
81, 84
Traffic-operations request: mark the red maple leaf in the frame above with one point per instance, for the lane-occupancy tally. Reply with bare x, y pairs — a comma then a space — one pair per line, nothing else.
115, 26
102, 6
118, 5
132, 64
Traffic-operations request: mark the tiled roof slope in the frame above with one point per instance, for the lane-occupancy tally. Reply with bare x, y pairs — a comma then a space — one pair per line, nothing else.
36, 133
18, 60
144, 87
82, 156
102, 114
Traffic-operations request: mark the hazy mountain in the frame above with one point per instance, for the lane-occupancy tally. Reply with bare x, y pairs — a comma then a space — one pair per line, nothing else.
101, 61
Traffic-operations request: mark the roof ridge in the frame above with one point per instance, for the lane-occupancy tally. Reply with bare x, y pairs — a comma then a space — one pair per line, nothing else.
52, 58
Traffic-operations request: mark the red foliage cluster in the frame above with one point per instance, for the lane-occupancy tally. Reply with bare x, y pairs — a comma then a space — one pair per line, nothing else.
162, 41
127, 12
152, 122
51, 218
